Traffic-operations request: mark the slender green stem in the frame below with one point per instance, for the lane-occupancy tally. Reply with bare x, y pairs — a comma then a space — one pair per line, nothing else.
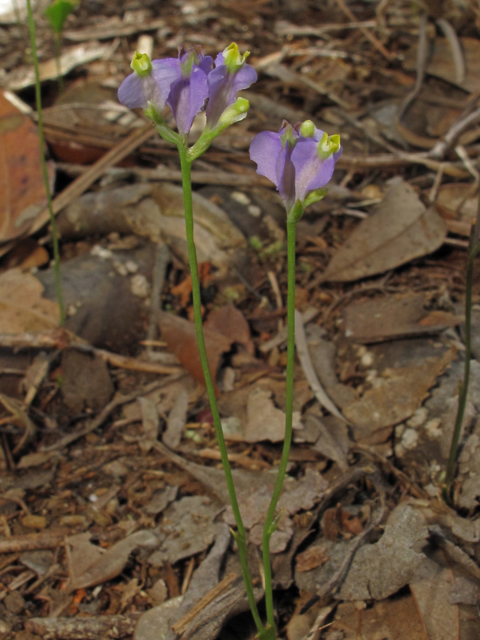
270, 520
473, 251
240, 535
53, 224
58, 60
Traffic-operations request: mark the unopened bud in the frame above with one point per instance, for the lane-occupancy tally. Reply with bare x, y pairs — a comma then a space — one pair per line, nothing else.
141, 64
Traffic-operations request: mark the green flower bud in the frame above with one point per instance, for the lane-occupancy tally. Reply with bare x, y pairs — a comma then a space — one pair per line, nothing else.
141, 64
234, 113
232, 58
307, 129
328, 145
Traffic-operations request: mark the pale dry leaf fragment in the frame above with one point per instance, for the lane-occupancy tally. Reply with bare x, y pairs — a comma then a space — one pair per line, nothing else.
176, 420
430, 587
395, 619
189, 528
442, 64
399, 230
307, 366
22, 307
381, 569
111, 563
73, 57
396, 397
150, 423
264, 420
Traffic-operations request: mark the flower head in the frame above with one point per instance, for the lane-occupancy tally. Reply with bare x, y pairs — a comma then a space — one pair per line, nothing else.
299, 160
231, 75
150, 82
186, 84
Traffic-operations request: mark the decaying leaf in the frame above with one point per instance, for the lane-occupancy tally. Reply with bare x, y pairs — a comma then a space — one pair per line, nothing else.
381, 569
395, 396
431, 586
396, 619
230, 322
71, 58
189, 527
103, 566
180, 336
22, 189
391, 317
399, 230
441, 62
176, 420
22, 307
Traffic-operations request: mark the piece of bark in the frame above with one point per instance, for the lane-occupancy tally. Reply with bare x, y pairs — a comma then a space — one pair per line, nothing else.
105, 627
33, 542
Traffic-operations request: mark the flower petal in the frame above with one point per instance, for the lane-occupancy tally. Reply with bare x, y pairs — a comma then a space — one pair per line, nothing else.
131, 93
206, 64
224, 87
265, 150
311, 171
187, 97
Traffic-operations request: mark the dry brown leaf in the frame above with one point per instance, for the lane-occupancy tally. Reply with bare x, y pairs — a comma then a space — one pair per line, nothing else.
431, 589
399, 230
22, 189
442, 64
311, 558
391, 317
399, 393
181, 339
104, 566
22, 308
230, 322
391, 619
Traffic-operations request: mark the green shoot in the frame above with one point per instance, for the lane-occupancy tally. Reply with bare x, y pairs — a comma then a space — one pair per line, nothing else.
57, 13
53, 224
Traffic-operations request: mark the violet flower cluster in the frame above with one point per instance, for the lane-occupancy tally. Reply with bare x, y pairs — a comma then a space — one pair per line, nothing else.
187, 85
299, 160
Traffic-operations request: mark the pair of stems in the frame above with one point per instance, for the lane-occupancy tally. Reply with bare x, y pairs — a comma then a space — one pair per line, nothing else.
268, 631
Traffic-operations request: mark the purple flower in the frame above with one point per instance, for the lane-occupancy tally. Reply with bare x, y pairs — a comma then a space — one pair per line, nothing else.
189, 91
299, 160
179, 82
230, 76
150, 82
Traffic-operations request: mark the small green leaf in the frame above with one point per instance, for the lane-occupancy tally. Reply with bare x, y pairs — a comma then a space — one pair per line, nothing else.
59, 11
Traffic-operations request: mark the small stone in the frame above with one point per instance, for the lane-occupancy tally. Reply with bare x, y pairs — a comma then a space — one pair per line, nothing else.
254, 210
432, 428
139, 286
409, 439
240, 197
399, 429
418, 419
34, 522
366, 360
14, 602
158, 592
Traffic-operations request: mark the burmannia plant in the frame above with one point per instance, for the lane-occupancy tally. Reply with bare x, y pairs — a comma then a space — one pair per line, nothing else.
299, 160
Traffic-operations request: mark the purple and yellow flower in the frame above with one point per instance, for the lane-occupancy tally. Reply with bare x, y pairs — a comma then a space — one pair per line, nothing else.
187, 84
231, 75
299, 160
